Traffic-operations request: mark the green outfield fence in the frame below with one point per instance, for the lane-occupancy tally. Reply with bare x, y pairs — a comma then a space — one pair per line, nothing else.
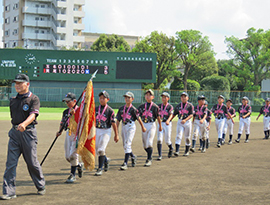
52, 97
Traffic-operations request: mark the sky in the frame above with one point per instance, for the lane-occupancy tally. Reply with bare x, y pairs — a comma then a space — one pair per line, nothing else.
213, 18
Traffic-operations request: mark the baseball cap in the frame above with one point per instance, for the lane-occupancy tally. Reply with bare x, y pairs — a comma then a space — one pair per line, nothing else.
229, 100
245, 98
205, 102
267, 99
69, 96
165, 94
221, 96
149, 91
21, 78
104, 93
184, 93
201, 97
129, 94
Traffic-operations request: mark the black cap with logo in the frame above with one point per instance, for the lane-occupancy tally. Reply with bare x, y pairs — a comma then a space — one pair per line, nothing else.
21, 78
104, 93
69, 96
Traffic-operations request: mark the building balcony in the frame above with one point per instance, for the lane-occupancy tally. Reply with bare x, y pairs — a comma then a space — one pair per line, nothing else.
61, 17
37, 36
34, 10
61, 4
60, 43
61, 30
79, 2
78, 26
31, 23
79, 14
78, 39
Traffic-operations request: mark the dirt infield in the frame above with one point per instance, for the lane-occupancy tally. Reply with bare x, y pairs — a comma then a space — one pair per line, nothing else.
232, 174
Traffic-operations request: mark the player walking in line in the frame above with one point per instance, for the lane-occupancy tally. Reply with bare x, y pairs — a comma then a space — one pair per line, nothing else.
200, 114
219, 111
228, 123
244, 122
70, 142
149, 112
166, 112
128, 115
184, 111
104, 121
208, 123
265, 111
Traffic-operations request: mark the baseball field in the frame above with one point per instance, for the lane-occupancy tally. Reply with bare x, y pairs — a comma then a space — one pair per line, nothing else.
232, 174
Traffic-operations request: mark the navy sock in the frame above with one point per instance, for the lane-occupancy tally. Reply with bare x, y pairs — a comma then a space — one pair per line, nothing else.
131, 154
193, 143
207, 141
247, 135
266, 133
126, 157
101, 160
73, 170
200, 142
159, 146
223, 136
239, 136
105, 160
149, 151
230, 137
177, 147
170, 147
187, 149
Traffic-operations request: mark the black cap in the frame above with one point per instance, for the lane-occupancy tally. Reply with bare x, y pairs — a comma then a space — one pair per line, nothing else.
201, 97
165, 94
149, 91
267, 99
229, 100
245, 98
21, 78
104, 93
221, 96
69, 96
184, 93
129, 94
205, 102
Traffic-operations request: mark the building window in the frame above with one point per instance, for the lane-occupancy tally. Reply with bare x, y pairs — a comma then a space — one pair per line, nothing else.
36, 44
75, 20
15, 31
42, 6
37, 5
16, 6
6, 45
7, 20
7, 33
14, 44
36, 18
7, 8
42, 18
15, 19
36, 31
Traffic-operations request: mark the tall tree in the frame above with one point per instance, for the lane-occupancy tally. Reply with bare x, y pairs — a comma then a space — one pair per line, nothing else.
163, 46
251, 56
195, 51
110, 43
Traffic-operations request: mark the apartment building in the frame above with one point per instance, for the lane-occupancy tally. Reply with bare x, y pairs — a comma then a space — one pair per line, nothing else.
43, 24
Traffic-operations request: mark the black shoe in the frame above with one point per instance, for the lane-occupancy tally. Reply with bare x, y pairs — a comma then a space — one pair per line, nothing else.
170, 153
238, 140
80, 170
107, 165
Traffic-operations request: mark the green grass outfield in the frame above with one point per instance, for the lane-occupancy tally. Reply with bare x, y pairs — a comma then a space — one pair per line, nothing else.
56, 114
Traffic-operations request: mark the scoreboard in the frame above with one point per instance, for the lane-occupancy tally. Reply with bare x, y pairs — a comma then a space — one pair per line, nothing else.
58, 65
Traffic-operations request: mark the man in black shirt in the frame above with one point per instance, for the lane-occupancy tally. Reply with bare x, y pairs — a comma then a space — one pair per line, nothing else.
24, 109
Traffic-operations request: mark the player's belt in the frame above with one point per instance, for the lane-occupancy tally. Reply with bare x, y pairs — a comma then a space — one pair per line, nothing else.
220, 118
27, 127
125, 123
164, 120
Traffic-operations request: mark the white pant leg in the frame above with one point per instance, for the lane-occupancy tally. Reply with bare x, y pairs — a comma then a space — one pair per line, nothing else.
160, 133
128, 132
230, 126
187, 132
149, 135
241, 125
247, 125
206, 130
168, 133
202, 133
179, 132
225, 129
102, 139
266, 123
196, 129
71, 150
220, 126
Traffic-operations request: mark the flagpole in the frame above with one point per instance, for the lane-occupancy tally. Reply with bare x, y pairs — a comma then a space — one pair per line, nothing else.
66, 119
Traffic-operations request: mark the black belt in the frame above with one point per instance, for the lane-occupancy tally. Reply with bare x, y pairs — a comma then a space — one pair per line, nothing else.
220, 118
125, 123
27, 127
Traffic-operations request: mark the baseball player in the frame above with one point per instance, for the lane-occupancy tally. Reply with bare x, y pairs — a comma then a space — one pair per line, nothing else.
70, 142
149, 112
265, 111
104, 121
244, 122
219, 111
128, 115
208, 123
24, 110
184, 111
228, 123
165, 112
200, 114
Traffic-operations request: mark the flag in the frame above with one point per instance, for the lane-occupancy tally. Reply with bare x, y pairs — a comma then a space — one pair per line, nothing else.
83, 124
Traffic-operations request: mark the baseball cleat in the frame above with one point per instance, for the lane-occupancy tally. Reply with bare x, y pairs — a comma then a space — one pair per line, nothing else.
176, 154
148, 163
223, 142
203, 150
133, 161
71, 179
7, 197
107, 165
80, 170
200, 149
238, 140
41, 191
159, 158
124, 166
170, 153
186, 154
218, 145
230, 142
98, 172
192, 149
246, 141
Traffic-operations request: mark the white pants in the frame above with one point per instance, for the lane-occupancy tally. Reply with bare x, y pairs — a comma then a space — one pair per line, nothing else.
220, 126
166, 132
244, 123
206, 130
199, 130
183, 129
102, 139
70, 149
128, 132
149, 135
228, 127
266, 123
